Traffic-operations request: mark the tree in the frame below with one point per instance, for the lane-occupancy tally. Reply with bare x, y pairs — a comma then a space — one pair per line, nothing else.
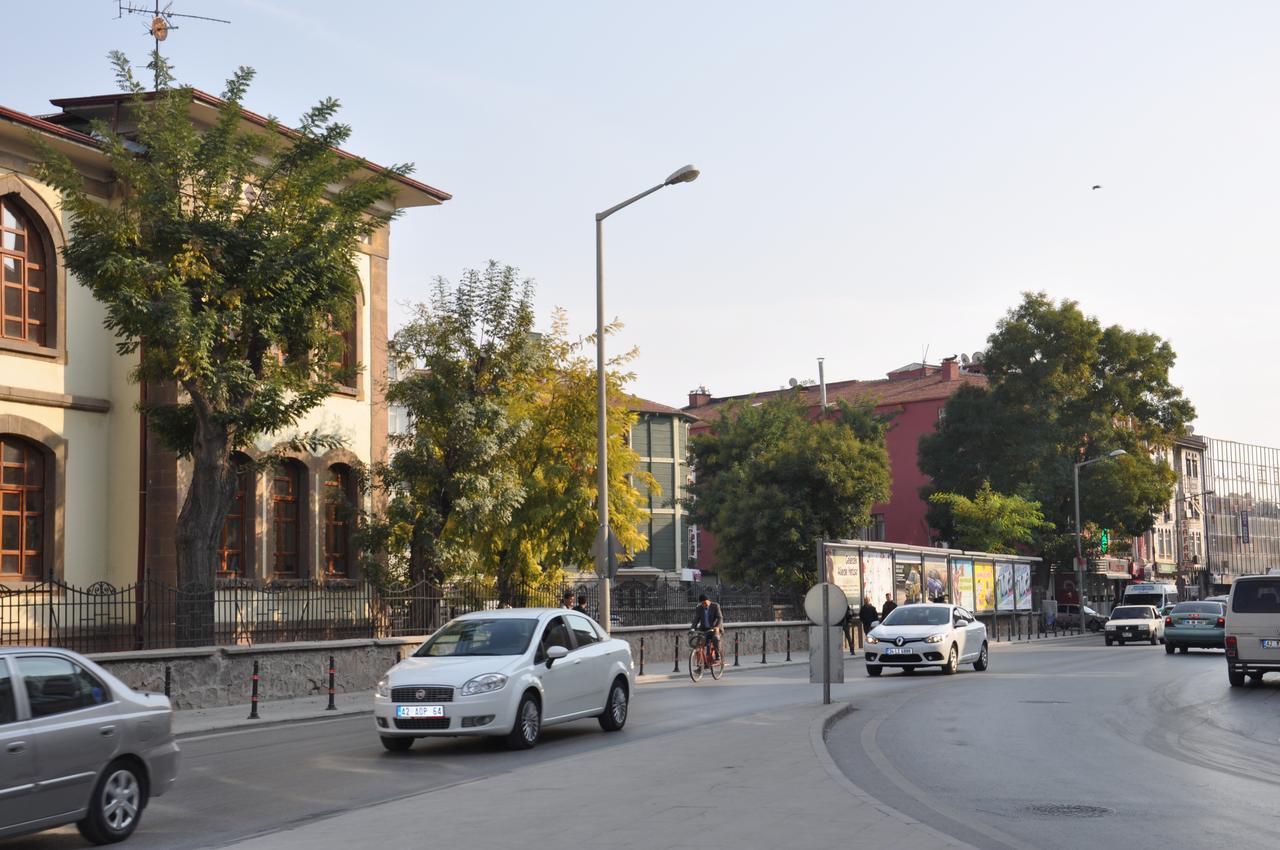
1062, 389
771, 481
991, 521
221, 261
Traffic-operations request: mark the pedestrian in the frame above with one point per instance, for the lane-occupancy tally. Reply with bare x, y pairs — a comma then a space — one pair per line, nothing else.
568, 599
846, 623
868, 615
581, 607
889, 605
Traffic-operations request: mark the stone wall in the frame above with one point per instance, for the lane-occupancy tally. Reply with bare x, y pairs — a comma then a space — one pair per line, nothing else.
208, 677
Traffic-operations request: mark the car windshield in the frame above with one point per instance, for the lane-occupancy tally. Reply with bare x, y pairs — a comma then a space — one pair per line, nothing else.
1132, 612
498, 636
1198, 608
1256, 597
918, 615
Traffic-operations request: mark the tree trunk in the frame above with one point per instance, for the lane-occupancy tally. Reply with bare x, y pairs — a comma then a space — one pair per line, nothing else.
199, 531
424, 580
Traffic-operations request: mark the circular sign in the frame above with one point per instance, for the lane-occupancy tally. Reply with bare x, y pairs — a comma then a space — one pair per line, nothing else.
837, 604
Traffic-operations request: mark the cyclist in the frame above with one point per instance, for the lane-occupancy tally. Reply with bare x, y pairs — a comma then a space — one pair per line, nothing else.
708, 621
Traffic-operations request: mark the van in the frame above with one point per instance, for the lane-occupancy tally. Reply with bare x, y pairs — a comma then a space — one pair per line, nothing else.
1252, 630
1148, 593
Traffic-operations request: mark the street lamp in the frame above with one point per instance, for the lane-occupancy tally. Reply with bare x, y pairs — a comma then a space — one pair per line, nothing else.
602, 553
1075, 481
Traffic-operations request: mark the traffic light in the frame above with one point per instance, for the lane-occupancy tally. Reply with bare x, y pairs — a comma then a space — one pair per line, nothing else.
1105, 542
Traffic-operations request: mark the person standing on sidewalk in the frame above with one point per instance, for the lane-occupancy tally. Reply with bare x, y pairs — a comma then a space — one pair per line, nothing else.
889, 605
868, 615
568, 599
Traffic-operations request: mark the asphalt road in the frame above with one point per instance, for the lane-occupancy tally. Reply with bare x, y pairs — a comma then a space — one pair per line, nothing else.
1074, 745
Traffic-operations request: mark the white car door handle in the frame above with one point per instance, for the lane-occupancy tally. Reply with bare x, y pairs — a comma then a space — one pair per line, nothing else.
17, 747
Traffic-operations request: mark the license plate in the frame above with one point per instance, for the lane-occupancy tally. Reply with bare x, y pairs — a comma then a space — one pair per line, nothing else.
1197, 623
1271, 644
897, 650
419, 711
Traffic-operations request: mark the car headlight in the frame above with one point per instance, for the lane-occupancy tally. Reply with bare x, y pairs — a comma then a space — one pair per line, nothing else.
382, 689
935, 638
485, 684
872, 639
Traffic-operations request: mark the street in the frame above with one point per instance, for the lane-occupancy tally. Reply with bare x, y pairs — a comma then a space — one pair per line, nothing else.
1153, 750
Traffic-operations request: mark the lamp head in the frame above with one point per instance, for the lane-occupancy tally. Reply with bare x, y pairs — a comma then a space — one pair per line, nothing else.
1117, 453
683, 175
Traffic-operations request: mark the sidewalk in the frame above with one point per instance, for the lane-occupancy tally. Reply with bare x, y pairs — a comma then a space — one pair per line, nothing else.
755, 782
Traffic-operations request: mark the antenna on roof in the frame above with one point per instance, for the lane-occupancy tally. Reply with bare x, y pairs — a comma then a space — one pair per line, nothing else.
161, 21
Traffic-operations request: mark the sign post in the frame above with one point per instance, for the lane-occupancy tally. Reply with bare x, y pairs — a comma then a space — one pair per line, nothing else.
825, 604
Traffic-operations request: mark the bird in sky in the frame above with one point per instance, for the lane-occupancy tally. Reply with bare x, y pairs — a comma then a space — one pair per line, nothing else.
1097, 187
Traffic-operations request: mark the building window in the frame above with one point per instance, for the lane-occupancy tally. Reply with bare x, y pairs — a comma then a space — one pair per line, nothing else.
344, 328
233, 547
337, 522
22, 471
1193, 466
26, 276
876, 530
286, 504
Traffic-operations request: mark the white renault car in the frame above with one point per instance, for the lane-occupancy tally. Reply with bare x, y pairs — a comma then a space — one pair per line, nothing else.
1129, 623
926, 635
506, 673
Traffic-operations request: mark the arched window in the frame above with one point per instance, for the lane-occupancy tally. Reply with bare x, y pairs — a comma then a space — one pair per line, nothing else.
26, 276
22, 488
344, 328
286, 517
338, 503
237, 532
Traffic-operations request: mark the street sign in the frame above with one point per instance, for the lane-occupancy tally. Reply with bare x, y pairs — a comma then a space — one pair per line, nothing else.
615, 549
1244, 526
836, 604
826, 605
1105, 542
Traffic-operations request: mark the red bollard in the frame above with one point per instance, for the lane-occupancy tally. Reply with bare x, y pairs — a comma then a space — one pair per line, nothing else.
331, 706
253, 696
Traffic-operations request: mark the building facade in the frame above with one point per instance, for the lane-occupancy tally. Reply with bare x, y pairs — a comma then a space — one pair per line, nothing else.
86, 493
660, 437
1243, 511
1174, 549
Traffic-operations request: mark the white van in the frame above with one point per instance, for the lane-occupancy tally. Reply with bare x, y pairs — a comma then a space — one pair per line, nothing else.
1155, 595
1253, 627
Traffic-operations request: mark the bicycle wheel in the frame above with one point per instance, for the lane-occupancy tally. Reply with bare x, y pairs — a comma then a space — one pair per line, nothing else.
717, 666
695, 668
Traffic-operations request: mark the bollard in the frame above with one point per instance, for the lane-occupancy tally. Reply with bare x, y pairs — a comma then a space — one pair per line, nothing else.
253, 696
331, 706
397, 656
788, 644
764, 645
641, 655
168, 679
735, 649
676, 654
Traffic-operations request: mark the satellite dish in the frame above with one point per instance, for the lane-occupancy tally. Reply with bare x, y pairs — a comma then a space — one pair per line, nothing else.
791, 382
964, 359
977, 357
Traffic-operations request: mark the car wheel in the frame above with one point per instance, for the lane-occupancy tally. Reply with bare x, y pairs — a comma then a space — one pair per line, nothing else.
1168, 648
983, 659
1154, 640
615, 708
953, 661
1184, 649
1094, 625
1256, 678
1235, 677
1120, 642
528, 725
116, 804
1109, 641
395, 743
874, 671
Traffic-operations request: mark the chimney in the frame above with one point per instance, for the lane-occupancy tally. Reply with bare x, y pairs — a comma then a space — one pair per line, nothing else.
822, 385
950, 370
699, 397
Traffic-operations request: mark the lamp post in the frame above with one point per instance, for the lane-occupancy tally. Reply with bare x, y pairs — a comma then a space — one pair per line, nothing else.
602, 553
1075, 482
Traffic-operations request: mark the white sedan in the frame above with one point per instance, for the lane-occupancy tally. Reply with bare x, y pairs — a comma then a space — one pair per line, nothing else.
926, 635
1134, 622
506, 673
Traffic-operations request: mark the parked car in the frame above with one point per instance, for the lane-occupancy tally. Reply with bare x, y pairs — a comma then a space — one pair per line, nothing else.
1129, 623
1069, 616
506, 673
79, 746
926, 635
1199, 624
1252, 631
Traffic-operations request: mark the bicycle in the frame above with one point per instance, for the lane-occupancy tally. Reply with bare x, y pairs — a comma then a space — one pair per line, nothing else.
698, 660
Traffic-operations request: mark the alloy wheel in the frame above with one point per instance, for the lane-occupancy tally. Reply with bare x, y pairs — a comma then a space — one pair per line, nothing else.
530, 722
121, 798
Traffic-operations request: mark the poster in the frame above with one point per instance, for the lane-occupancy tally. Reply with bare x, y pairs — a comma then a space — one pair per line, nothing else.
877, 576
984, 586
1004, 586
907, 571
1022, 586
843, 571
962, 583
935, 580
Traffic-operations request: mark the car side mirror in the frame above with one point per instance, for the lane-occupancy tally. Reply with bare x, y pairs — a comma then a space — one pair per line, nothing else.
555, 653
874, 623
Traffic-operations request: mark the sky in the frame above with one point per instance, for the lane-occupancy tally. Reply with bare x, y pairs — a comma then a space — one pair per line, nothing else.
879, 179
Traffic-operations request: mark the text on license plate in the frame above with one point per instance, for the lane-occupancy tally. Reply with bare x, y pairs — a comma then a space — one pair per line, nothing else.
419, 711
1271, 644
897, 650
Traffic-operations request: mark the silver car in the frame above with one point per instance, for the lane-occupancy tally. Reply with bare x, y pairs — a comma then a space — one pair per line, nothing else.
77, 745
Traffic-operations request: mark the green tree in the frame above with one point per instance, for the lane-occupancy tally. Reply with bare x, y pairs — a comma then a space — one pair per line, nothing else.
220, 262
991, 521
1062, 388
771, 481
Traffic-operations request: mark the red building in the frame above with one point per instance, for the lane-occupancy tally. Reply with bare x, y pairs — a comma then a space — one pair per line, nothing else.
914, 395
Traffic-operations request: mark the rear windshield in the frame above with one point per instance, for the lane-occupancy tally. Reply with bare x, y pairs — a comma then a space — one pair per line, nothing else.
1198, 608
1256, 597
918, 615
1132, 612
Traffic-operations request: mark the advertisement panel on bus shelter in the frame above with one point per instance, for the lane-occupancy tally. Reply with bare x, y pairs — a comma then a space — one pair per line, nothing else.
962, 583
1022, 585
1004, 586
844, 571
984, 585
906, 570
877, 575
935, 579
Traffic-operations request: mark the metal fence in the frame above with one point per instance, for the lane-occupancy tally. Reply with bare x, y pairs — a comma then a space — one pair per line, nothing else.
105, 618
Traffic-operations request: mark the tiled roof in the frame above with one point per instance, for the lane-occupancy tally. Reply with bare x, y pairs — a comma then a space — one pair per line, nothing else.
884, 392
643, 405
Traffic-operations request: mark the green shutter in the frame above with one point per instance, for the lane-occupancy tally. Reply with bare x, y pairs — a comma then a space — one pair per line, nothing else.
662, 544
661, 439
640, 437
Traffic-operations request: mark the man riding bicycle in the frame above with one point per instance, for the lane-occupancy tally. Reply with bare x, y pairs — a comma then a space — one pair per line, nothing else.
708, 622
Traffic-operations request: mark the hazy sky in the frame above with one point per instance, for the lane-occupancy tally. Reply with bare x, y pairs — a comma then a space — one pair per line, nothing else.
876, 177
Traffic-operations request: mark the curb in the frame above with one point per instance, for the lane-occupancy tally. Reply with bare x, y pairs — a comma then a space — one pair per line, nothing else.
263, 723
